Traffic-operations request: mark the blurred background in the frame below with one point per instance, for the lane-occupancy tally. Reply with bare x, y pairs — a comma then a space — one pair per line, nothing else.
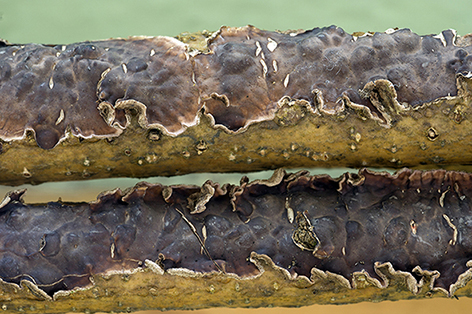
67, 21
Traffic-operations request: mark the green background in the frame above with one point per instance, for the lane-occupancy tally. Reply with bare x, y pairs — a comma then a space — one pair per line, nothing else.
66, 21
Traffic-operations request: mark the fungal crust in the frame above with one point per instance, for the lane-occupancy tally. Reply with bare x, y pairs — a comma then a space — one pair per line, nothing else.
237, 78
354, 233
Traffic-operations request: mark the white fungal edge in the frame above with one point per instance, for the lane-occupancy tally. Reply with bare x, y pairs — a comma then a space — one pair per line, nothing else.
140, 107
65, 293
386, 113
9, 197
199, 204
383, 270
268, 116
271, 109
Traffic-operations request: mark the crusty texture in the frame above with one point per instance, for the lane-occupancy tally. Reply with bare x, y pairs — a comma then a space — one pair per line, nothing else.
239, 79
239, 99
367, 224
320, 97
52, 89
254, 69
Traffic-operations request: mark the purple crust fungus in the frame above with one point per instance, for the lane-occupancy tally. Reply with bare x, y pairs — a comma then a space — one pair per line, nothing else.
240, 78
413, 223
409, 232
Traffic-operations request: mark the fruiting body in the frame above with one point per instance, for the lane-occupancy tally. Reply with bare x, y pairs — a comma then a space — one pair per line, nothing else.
161, 106
239, 99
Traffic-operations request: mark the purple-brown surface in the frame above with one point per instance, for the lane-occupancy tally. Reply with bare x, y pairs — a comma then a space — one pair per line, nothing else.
238, 79
419, 223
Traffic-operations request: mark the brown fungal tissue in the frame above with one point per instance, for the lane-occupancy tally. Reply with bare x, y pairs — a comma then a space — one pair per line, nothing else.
239, 78
235, 100
238, 99
54, 89
410, 230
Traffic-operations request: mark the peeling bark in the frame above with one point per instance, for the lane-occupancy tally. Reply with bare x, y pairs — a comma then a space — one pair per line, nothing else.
359, 237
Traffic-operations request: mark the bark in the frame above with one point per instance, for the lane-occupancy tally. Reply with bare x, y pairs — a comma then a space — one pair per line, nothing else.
293, 239
239, 99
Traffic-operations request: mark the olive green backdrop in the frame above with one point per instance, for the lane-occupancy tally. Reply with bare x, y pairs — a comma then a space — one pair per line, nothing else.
61, 21
57, 22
